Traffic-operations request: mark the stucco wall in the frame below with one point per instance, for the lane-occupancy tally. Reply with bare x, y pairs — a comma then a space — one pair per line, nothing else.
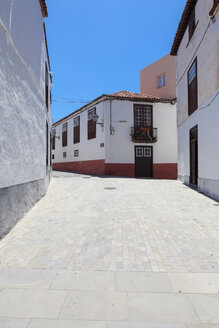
88, 149
149, 75
120, 148
22, 97
205, 46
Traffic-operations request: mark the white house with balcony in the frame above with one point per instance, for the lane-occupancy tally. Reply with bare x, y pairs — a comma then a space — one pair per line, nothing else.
122, 134
196, 47
25, 109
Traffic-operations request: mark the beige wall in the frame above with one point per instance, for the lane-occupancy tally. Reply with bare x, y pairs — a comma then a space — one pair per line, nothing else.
149, 76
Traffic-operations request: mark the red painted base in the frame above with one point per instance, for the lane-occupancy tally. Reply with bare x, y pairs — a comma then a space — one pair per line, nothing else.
122, 170
165, 171
96, 167
99, 167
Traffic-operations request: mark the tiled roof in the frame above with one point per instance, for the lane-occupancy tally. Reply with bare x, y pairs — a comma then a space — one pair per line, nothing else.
214, 8
121, 95
190, 4
43, 8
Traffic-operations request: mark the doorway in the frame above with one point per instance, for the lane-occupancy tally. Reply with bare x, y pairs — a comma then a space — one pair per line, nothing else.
194, 155
144, 161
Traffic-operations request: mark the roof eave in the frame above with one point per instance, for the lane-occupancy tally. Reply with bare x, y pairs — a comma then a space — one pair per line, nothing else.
44, 8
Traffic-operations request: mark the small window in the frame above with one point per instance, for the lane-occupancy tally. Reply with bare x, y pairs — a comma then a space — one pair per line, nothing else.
76, 153
91, 124
76, 129
64, 134
147, 151
139, 151
192, 88
192, 24
53, 139
161, 81
53, 156
64, 154
46, 86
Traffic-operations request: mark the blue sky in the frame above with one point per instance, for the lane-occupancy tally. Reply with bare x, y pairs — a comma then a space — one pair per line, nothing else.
100, 46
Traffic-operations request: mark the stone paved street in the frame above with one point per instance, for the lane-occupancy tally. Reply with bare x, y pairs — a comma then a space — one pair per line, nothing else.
103, 252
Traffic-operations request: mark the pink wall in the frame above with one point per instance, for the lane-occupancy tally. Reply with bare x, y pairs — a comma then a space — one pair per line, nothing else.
149, 74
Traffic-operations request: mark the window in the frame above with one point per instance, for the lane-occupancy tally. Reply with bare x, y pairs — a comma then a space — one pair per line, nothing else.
192, 24
64, 154
76, 153
53, 156
53, 139
161, 81
46, 86
47, 144
147, 151
91, 124
64, 134
192, 88
139, 151
143, 116
76, 129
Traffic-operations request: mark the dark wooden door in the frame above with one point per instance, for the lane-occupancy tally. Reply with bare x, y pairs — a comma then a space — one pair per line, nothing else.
143, 161
194, 155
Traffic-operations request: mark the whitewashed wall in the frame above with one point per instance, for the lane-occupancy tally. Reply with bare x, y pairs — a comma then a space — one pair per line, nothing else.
205, 46
23, 113
88, 149
120, 148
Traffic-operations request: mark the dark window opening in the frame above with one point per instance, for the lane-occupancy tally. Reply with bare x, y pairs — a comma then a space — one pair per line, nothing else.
53, 156
192, 88
47, 144
64, 154
77, 130
76, 153
64, 134
46, 86
53, 139
91, 124
192, 24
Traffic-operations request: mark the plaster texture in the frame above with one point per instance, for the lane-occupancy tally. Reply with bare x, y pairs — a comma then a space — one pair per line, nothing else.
24, 172
137, 254
204, 46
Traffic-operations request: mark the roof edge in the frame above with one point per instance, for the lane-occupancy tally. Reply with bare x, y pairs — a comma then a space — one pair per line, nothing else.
43, 8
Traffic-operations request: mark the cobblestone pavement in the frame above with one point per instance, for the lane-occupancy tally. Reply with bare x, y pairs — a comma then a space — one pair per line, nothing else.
103, 252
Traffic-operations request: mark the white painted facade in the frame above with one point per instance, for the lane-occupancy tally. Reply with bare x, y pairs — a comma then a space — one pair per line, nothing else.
23, 111
204, 45
117, 117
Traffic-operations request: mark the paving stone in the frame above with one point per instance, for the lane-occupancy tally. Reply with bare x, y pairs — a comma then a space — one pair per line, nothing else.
42, 323
23, 303
143, 282
206, 307
84, 280
158, 307
26, 278
195, 282
145, 325
14, 323
95, 306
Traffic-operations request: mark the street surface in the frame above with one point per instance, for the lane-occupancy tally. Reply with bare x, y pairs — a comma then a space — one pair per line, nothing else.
104, 252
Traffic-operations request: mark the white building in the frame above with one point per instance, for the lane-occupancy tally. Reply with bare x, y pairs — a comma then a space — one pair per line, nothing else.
25, 112
196, 46
135, 135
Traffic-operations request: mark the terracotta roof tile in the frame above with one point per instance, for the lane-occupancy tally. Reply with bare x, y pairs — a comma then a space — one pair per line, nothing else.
190, 5
43, 8
121, 95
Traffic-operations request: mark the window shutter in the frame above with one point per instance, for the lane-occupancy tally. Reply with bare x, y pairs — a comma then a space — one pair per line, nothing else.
91, 127
192, 88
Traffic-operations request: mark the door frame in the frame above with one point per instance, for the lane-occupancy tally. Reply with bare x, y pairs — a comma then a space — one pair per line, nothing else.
152, 160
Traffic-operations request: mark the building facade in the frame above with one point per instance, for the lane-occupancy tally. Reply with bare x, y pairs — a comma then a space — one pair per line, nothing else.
196, 47
25, 109
123, 134
159, 78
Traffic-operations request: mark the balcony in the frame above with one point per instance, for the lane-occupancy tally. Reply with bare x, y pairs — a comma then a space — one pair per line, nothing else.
143, 134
